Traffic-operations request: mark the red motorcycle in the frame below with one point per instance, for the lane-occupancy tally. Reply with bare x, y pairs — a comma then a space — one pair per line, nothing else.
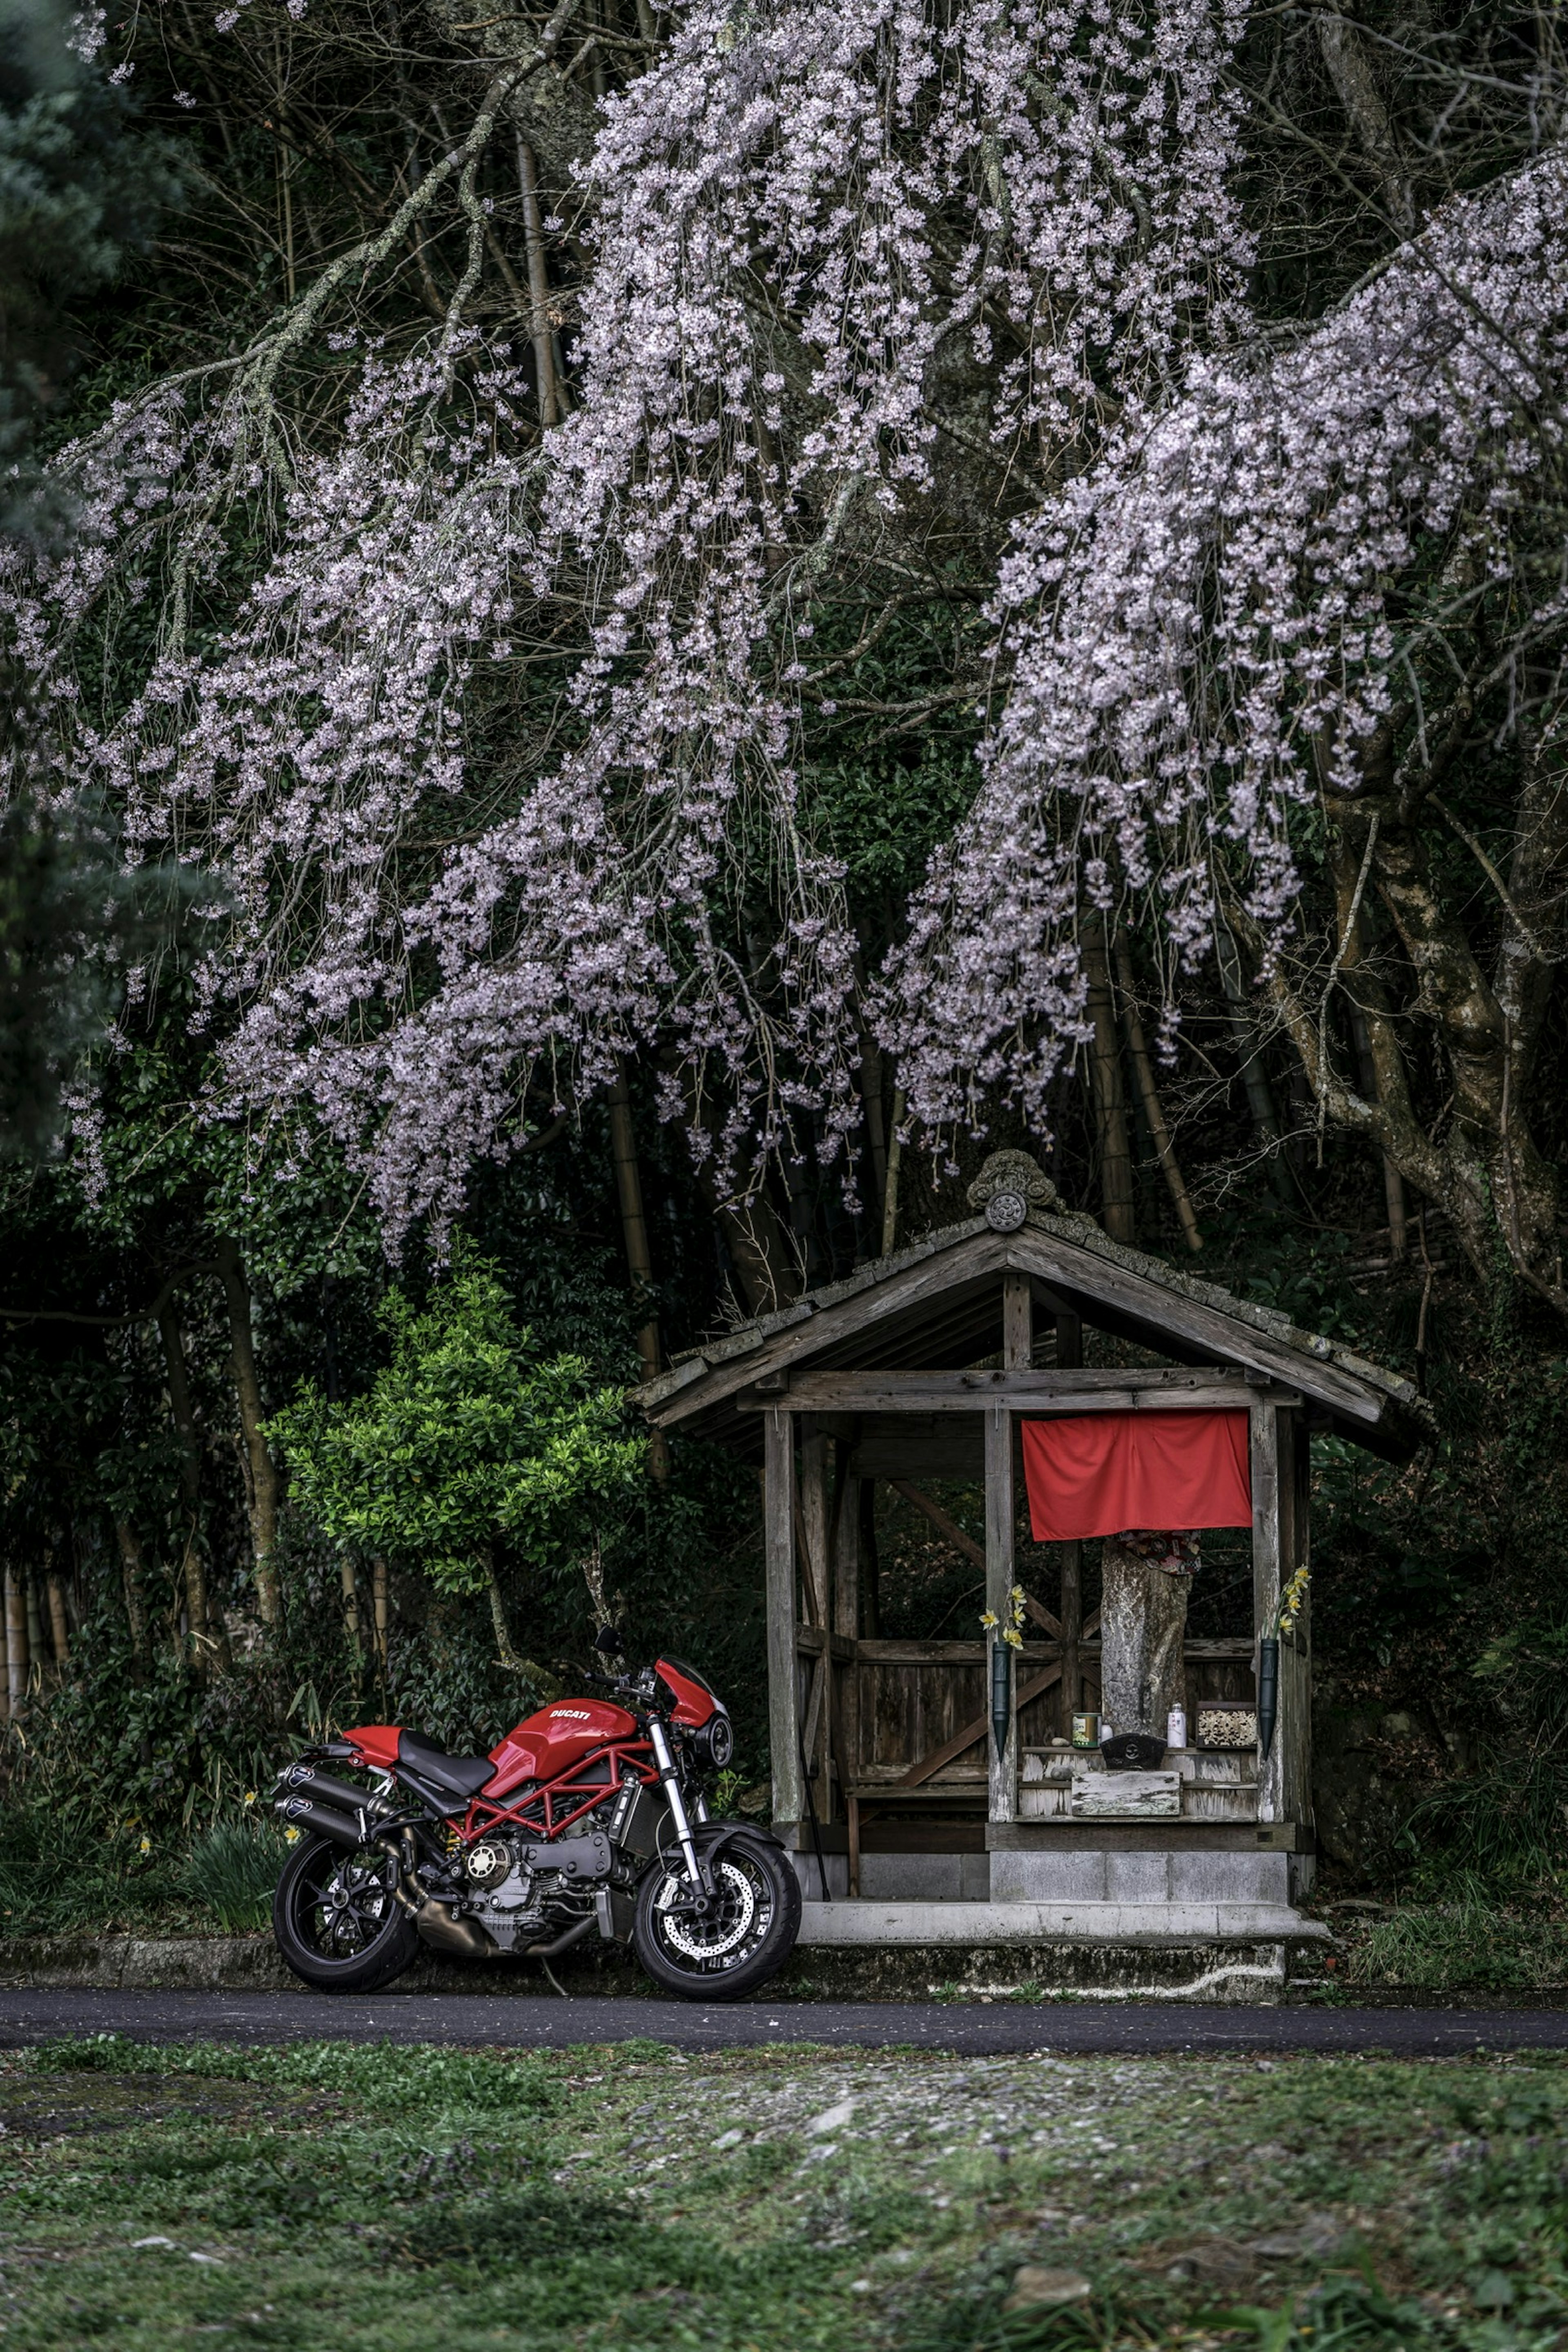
590, 1814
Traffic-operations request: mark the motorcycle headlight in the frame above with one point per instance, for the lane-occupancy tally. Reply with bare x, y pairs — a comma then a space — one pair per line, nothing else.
715, 1743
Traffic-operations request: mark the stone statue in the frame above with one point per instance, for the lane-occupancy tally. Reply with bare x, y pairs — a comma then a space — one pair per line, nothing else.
1145, 1578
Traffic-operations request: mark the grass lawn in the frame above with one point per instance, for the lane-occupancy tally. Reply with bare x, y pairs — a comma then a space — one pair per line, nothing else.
380, 2201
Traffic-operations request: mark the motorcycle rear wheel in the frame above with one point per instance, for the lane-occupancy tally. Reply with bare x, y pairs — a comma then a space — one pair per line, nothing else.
732, 1951
335, 1921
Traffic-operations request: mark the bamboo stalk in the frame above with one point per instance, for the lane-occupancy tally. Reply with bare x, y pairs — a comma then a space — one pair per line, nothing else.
538, 288
262, 1483
1154, 1111
208, 1639
16, 1652
58, 1629
1109, 1095
890, 1191
639, 1257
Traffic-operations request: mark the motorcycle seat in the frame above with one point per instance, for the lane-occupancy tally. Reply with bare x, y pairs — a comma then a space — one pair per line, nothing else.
463, 1776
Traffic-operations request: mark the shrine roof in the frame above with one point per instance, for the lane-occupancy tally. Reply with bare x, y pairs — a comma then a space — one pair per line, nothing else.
937, 1305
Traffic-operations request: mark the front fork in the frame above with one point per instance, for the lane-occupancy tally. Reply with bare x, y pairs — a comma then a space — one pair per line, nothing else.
669, 1779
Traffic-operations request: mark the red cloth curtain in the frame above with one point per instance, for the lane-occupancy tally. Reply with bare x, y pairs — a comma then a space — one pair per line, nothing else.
1096, 1473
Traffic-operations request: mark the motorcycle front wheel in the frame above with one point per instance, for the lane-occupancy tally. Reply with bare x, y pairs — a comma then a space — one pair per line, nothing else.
335, 1921
740, 1944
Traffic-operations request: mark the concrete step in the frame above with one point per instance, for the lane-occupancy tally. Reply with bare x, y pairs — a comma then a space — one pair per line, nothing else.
868, 1922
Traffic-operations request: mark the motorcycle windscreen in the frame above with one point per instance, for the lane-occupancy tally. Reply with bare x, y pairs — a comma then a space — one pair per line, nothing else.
1104, 1473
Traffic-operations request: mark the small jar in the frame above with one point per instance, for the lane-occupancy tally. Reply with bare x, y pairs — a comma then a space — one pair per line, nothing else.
1176, 1728
1086, 1730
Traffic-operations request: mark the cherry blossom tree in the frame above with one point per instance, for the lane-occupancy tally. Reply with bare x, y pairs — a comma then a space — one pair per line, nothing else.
479, 664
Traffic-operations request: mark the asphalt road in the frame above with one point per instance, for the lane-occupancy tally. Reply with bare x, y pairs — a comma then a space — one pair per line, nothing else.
977, 2029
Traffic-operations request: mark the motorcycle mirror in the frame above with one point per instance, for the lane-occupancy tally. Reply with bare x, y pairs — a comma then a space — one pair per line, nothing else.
608, 1642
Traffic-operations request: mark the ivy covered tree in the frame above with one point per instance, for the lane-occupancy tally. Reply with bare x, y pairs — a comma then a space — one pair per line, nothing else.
466, 1441
80, 188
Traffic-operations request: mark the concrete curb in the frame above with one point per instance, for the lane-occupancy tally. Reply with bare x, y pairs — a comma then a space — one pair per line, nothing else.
1220, 1971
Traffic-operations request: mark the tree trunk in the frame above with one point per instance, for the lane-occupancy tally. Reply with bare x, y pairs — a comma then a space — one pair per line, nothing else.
1109, 1095
759, 1251
378, 1583
133, 1577
350, 1584
1143, 1625
547, 1684
263, 1485
209, 1643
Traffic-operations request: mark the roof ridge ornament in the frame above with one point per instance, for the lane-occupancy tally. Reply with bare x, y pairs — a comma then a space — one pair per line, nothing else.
1012, 1183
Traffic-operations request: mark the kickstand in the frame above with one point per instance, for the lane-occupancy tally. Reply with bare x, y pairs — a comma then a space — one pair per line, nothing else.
551, 1974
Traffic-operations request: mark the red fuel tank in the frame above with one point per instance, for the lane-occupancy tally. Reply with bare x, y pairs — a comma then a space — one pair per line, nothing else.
547, 1744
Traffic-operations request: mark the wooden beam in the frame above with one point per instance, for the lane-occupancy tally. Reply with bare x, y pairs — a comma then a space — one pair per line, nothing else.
980, 1729
778, 1543
844, 1541
1017, 1323
1102, 1280
810, 1524
1086, 1274
1163, 1390
1265, 1454
948, 1528
1002, 1801
1069, 1361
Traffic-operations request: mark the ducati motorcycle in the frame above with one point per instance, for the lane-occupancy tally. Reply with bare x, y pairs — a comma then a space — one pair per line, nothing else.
589, 1815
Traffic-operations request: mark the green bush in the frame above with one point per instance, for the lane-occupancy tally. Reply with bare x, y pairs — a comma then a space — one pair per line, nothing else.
233, 1870
1468, 1943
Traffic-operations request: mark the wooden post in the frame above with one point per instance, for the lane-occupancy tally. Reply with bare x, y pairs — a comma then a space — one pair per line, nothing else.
811, 1526
1266, 1532
1017, 1323
812, 1507
1295, 1730
1069, 1357
1003, 1805
778, 1535
844, 1538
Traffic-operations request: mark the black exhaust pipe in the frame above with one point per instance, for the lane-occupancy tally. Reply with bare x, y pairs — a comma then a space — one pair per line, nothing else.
323, 1787
441, 1928
325, 1820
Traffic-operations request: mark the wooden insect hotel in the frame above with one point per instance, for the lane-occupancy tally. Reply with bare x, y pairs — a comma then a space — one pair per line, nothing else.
930, 1789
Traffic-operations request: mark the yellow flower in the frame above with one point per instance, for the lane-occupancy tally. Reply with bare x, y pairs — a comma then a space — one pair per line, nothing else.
250, 1797
990, 1619
146, 1846
292, 1837
1014, 1639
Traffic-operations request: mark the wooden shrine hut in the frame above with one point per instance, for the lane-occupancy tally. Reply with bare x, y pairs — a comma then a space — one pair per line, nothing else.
923, 1367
